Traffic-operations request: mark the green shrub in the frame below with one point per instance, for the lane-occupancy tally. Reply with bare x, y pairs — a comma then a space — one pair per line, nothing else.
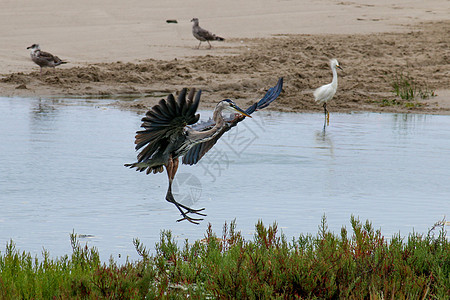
356, 265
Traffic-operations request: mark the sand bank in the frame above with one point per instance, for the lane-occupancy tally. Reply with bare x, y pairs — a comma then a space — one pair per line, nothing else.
126, 48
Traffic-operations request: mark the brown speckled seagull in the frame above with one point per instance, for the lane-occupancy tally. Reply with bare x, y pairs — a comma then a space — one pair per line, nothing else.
203, 35
44, 59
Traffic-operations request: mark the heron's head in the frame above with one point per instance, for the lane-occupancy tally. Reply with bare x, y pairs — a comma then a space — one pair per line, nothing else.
34, 47
195, 20
335, 64
229, 105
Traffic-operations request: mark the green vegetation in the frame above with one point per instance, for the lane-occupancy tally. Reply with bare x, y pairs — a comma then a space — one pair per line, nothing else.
387, 102
407, 88
361, 266
394, 102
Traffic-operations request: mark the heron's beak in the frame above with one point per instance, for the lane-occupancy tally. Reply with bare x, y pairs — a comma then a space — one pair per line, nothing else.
239, 110
340, 67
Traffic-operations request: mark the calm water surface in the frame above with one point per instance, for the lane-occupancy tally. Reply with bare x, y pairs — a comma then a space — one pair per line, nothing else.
61, 170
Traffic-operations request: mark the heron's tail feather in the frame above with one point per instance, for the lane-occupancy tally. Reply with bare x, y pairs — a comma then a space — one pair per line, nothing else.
141, 167
218, 38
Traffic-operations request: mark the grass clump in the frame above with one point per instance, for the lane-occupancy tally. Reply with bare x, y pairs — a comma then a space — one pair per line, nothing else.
407, 88
326, 265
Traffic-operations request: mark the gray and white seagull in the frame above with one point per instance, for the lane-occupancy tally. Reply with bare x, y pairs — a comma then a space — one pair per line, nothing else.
203, 35
44, 59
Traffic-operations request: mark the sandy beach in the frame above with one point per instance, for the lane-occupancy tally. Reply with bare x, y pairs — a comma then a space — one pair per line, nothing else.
127, 50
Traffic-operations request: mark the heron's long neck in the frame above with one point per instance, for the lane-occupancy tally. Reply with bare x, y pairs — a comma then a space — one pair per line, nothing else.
201, 136
335, 80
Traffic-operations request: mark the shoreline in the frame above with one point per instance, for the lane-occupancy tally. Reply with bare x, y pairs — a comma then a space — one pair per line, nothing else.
371, 62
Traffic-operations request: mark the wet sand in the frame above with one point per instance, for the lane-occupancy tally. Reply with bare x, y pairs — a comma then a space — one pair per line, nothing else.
120, 52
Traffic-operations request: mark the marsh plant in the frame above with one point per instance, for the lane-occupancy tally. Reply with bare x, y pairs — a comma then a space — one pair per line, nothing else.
361, 264
407, 88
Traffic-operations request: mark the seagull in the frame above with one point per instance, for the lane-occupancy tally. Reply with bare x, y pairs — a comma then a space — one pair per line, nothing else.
203, 34
44, 59
327, 91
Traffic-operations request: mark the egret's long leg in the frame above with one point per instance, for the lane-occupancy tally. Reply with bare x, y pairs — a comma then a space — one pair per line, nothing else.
326, 113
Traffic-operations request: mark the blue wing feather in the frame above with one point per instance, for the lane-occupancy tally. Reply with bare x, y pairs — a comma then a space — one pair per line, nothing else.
199, 150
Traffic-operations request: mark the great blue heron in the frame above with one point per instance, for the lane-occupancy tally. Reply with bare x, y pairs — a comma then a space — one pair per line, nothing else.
44, 59
326, 92
203, 35
167, 135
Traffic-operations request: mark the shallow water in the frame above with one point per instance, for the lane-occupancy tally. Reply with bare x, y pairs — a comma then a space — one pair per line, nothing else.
61, 170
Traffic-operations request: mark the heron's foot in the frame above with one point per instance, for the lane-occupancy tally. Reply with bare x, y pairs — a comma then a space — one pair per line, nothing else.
195, 221
189, 210
185, 210
189, 218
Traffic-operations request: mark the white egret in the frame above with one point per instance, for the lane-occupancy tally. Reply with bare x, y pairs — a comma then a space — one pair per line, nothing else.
326, 92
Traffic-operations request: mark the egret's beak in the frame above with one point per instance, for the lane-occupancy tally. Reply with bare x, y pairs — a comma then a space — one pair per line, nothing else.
338, 66
239, 110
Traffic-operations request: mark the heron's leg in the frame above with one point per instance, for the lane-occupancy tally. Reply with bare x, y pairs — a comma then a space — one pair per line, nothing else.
175, 168
209, 44
171, 168
198, 47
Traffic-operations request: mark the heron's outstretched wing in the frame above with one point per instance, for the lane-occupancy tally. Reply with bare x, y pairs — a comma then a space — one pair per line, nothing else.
198, 151
165, 122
